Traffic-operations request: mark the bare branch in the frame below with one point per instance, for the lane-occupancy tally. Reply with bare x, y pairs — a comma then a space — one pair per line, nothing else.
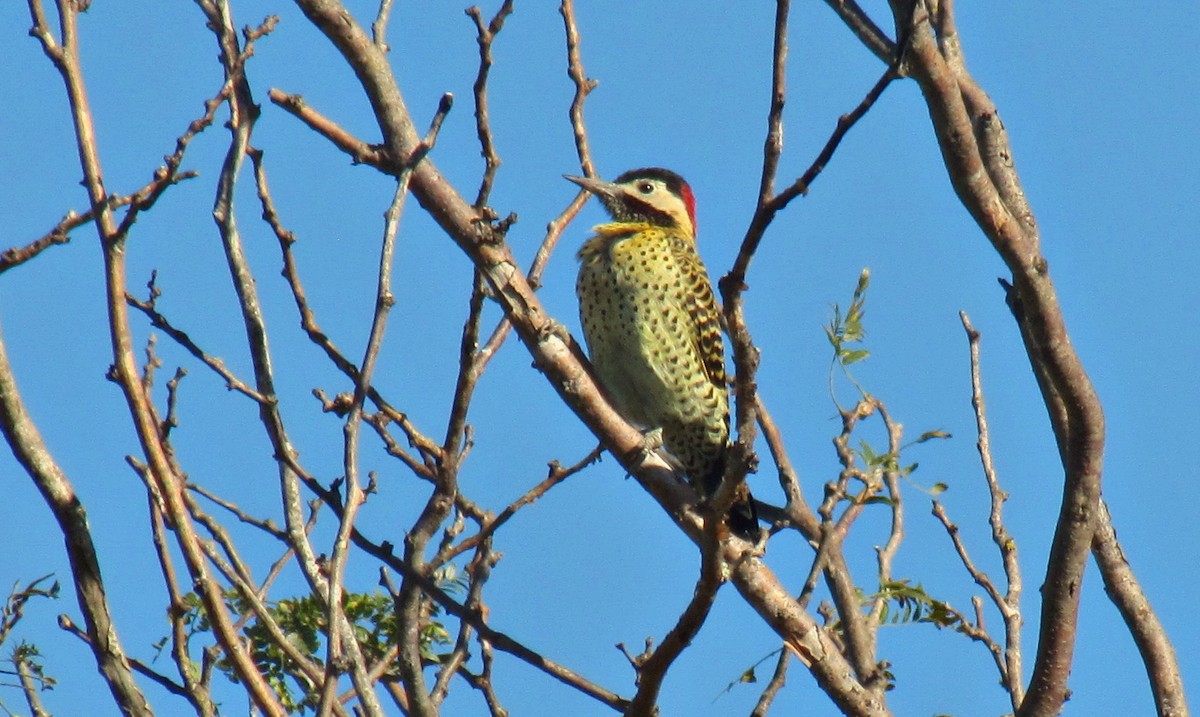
342, 638
485, 676
857, 629
430, 451
583, 87
557, 474
379, 27
1005, 659
652, 666
886, 554
986, 183
29, 684
159, 321
773, 144
861, 24
469, 372
505, 643
768, 207
485, 36
136, 665
478, 571
774, 685
195, 687
359, 151
1162, 664
14, 607
1008, 604
60, 234
796, 509
810, 642
141, 200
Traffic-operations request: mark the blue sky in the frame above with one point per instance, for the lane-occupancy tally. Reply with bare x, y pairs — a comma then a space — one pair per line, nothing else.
1100, 107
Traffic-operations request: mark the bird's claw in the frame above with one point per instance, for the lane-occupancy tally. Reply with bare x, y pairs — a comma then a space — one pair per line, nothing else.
651, 441
554, 329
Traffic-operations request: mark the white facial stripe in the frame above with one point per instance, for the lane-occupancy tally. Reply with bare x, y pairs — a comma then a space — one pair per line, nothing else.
654, 193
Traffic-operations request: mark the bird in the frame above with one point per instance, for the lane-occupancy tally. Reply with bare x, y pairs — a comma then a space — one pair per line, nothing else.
653, 327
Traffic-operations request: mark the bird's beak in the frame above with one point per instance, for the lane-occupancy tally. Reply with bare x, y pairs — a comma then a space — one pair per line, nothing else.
602, 189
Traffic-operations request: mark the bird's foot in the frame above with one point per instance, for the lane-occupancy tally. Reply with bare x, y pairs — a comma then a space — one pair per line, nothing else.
554, 329
651, 441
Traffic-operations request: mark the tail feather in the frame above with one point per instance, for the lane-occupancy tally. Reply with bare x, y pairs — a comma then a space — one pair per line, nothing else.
743, 516
743, 519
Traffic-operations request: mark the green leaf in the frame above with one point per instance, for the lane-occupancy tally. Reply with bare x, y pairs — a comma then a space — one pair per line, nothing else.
878, 499
832, 333
848, 357
930, 435
867, 453
939, 488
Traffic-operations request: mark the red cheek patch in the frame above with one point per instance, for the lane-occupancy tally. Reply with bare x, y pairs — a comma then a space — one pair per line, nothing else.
689, 201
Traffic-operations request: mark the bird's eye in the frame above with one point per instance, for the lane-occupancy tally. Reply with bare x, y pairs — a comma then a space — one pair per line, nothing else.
645, 187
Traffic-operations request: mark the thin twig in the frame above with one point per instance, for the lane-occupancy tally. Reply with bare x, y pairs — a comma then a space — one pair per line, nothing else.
159, 321
773, 144
1008, 604
485, 36
196, 686
583, 87
557, 474
379, 27
652, 666
469, 373
1162, 664
359, 151
1002, 657
768, 207
861, 24
774, 685
343, 640
264, 524
489, 693
29, 683
501, 640
14, 607
798, 512
556, 226
478, 571
886, 554
410, 601
844, 124
856, 628
136, 665
430, 452
144, 198
60, 234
